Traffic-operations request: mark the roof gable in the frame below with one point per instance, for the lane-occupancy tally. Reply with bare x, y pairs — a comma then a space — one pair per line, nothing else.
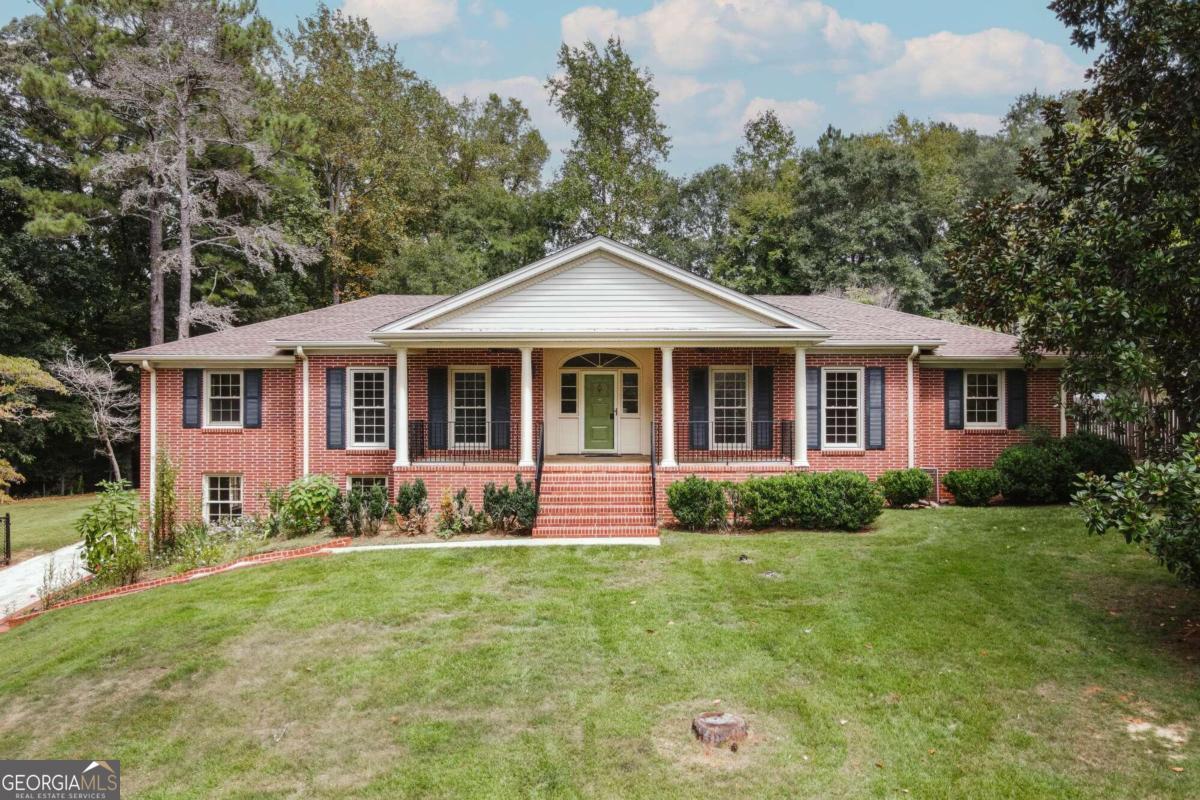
600, 285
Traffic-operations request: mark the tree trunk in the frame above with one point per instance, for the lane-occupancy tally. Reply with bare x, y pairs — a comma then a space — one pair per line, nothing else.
112, 458
157, 335
185, 233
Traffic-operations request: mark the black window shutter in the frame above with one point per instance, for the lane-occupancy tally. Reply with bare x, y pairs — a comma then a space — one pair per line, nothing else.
876, 416
501, 408
812, 406
1016, 410
252, 401
392, 421
953, 403
193, 382
764, 407
436, 394
698, 408
335, 408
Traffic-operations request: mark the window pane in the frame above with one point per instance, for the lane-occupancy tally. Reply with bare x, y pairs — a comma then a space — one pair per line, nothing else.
841, 408
224, 498
364, 483
368, 401
983, 398
568, 394
470, 408
729, 408
225, 398
629, 393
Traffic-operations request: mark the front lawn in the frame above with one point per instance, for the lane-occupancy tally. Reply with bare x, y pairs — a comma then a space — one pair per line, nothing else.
43, 524
982, 653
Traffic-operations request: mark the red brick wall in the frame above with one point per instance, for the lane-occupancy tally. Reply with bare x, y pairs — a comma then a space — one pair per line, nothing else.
958, 449
264, 456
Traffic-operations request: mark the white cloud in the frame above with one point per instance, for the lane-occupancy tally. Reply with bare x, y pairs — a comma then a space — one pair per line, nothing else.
691, 34
403, 19
500, 19
983, 123
991, 62
796, 114
531, 91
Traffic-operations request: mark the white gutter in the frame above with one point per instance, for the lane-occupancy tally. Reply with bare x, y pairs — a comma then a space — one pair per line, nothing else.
153, 446
304, 395
912, 425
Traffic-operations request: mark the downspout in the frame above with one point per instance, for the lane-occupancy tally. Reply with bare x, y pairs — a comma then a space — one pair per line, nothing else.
303, 408
153, 447
912, 425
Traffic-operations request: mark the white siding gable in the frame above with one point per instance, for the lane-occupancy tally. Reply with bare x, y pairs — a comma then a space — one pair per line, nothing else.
599, 294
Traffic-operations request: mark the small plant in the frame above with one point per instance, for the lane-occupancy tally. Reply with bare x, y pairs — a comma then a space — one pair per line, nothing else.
107, 525
196, 547
905, 487
126, 563
698, 503
972, 487
456, 515
510, 509
276, 503
412, 507
55, 582
309, 500
366, 510
166, 503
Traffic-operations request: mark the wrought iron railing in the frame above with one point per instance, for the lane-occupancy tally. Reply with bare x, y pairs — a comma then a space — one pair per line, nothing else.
7, 539
733, 441
653, 467
537, 477
463, 441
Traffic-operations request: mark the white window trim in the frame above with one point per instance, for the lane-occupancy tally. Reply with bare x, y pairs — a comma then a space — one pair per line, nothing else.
350, 480
712, 407
621, 389
862, 391
207, 391
387, 409
569, 414
1001, 400
486, 444
208, 498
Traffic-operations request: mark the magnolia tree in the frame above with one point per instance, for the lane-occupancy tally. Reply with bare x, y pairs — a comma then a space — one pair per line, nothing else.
204, 170
112, 405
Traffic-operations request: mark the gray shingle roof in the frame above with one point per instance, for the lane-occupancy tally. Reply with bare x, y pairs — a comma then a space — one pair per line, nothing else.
352, 322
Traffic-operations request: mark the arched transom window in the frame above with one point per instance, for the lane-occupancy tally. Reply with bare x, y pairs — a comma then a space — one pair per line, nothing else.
599, 360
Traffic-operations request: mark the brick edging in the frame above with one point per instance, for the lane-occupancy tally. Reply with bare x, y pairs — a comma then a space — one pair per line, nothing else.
184, 577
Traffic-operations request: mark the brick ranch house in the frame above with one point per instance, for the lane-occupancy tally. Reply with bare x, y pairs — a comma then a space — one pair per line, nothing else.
599, 371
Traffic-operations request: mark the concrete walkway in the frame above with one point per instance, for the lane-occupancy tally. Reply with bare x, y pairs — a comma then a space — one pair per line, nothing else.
643, 541
19, 583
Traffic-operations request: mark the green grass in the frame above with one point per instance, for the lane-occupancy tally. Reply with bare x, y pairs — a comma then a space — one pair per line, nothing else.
42, 524
952, 653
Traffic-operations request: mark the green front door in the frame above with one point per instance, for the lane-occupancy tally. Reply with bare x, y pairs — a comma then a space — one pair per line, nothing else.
598, 425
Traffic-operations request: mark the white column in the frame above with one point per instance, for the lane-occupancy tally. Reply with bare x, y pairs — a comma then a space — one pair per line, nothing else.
667, 393
401, 422
800, 441
526, 407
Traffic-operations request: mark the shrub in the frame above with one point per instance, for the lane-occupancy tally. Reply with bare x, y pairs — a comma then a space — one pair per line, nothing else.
456, 515
1036, 472
412, 507
195, 546
126, 562
698, 503
1096, 454
510, 509
339, 514
905, 487
972, 487
839, 500
165, 522
108, 525
1156, 505
309, 500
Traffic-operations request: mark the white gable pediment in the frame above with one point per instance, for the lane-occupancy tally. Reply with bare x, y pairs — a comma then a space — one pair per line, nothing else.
599, 286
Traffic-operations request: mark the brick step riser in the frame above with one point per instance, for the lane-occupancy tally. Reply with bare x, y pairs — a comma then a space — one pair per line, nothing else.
594, 507
599, 532
573, 520
593, 496
620, 487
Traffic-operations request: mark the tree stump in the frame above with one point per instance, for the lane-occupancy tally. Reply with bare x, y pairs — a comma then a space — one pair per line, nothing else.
720, 728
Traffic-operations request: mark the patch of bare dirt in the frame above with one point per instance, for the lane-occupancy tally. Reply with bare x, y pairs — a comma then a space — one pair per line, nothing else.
674, 741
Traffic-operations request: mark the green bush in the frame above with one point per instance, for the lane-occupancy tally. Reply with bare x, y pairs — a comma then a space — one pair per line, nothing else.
905, 487
839, 500
1156, 505
412, 507
108, 527
365, 511
456, 515
339, 514
309, 501
510, 509
972, 487
1037, 472
698, 503
1096, 454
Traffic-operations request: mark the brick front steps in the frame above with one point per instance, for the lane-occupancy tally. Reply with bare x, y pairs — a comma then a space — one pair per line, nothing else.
185, 577
601, 499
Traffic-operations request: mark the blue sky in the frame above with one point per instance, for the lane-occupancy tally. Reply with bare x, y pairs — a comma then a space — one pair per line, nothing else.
716, 63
